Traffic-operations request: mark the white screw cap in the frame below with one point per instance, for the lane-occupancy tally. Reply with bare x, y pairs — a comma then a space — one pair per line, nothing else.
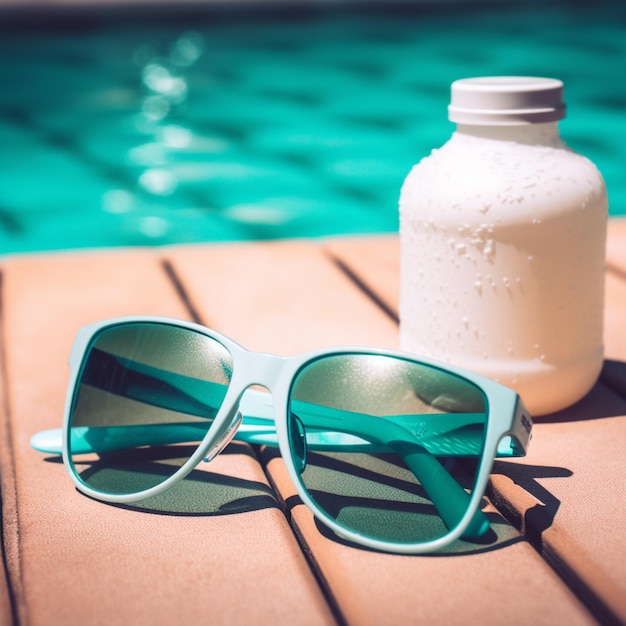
506, 100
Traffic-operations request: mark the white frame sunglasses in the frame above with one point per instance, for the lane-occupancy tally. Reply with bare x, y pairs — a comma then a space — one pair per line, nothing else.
263, 418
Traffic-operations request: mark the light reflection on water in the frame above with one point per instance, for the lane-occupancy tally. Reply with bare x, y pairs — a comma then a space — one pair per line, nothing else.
166, 88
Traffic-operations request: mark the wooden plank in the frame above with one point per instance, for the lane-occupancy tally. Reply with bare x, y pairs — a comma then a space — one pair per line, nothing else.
367, 588
616, 245
585, 538
374, 263
615, 317
572, 502
278, 296
6, 485
74, 560
615, 307
286, 297
6, 610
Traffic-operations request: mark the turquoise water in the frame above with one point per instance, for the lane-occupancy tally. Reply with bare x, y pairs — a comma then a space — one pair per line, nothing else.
205, 125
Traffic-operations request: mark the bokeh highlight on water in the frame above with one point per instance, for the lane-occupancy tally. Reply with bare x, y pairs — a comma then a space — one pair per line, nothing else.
213, 124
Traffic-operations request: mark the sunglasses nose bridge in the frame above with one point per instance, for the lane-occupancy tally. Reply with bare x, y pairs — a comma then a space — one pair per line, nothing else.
264, 369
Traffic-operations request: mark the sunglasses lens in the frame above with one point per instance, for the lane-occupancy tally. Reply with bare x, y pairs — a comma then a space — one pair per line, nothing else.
387, 447
146, 395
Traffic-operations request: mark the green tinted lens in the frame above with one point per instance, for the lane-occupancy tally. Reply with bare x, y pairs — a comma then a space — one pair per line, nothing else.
391, 446
146, 396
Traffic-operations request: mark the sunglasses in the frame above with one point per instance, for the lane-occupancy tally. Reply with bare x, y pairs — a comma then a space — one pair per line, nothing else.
389, 451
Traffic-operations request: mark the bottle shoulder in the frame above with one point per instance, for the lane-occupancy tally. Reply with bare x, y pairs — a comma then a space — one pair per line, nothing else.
502, 153
471, 176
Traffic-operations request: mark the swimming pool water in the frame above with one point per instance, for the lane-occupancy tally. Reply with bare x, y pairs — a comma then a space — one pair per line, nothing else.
187, 125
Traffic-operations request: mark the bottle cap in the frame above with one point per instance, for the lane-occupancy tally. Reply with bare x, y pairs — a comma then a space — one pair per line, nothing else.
506, 100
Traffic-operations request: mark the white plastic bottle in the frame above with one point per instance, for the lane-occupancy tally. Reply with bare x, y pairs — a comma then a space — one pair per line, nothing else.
502, 234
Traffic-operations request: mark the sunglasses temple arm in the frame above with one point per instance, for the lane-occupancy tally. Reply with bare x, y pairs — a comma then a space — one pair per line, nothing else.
448, 497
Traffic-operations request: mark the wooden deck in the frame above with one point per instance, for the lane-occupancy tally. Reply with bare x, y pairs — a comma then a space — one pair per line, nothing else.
230, 552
